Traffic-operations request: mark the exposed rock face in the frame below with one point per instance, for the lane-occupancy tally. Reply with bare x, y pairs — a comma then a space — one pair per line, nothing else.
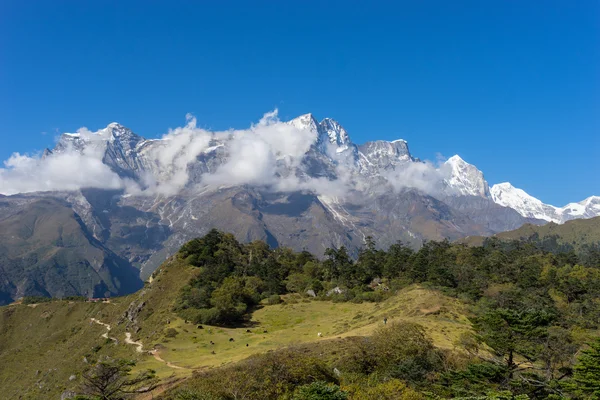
67, 394
381, 155
130, 318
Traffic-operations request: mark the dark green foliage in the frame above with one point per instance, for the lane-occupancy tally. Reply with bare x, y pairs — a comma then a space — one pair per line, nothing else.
270, 376
35, 299
222, 294
319, 391
510, 332
586, 373
338, 265
476, 380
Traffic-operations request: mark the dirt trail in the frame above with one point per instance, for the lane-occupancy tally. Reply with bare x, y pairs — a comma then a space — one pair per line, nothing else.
107, 326
159, 358
139, 345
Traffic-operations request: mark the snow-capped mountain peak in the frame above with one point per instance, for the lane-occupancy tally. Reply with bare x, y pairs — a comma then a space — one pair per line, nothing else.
131, 156
465, 179
330, 134
528, 206
383, 155
306, 121
507, 195
335, 133
587, 208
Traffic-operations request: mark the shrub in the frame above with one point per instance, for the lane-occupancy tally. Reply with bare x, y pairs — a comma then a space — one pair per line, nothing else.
273, 299
209, 316
374, 388
405, 351
319, 391
171, 332
36, 299
374, 297
268, 376
297, 283
397, 350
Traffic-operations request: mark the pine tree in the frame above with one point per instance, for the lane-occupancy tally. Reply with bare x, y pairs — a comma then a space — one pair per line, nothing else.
586, 374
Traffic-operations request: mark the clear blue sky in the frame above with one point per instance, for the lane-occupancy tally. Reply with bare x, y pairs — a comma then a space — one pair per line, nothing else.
511, 86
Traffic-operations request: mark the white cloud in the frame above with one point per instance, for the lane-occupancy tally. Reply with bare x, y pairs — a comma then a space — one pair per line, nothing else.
256, 153
424, 176
266, 154
253, 156
68, 171
169, 158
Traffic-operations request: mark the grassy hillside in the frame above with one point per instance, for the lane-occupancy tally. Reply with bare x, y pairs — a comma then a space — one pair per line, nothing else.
504, 315
43, 345
299, 320
576, 233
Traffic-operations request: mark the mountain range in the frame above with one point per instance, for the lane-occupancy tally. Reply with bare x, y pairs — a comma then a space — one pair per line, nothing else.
100, 211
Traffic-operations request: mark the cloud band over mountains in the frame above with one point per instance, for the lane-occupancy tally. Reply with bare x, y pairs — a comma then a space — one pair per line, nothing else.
265, 154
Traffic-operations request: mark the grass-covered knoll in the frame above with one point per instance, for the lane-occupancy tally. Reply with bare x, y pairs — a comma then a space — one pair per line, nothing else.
42, 345
299, 320
313, 372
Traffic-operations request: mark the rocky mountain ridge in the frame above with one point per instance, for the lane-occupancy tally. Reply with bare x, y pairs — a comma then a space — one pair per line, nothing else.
302, 184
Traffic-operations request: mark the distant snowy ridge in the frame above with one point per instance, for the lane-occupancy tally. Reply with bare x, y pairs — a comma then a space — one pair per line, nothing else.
528, 206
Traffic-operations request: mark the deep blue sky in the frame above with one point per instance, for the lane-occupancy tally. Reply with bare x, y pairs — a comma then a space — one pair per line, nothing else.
511, 86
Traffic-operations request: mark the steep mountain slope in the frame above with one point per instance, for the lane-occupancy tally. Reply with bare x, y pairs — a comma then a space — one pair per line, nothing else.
46, 250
